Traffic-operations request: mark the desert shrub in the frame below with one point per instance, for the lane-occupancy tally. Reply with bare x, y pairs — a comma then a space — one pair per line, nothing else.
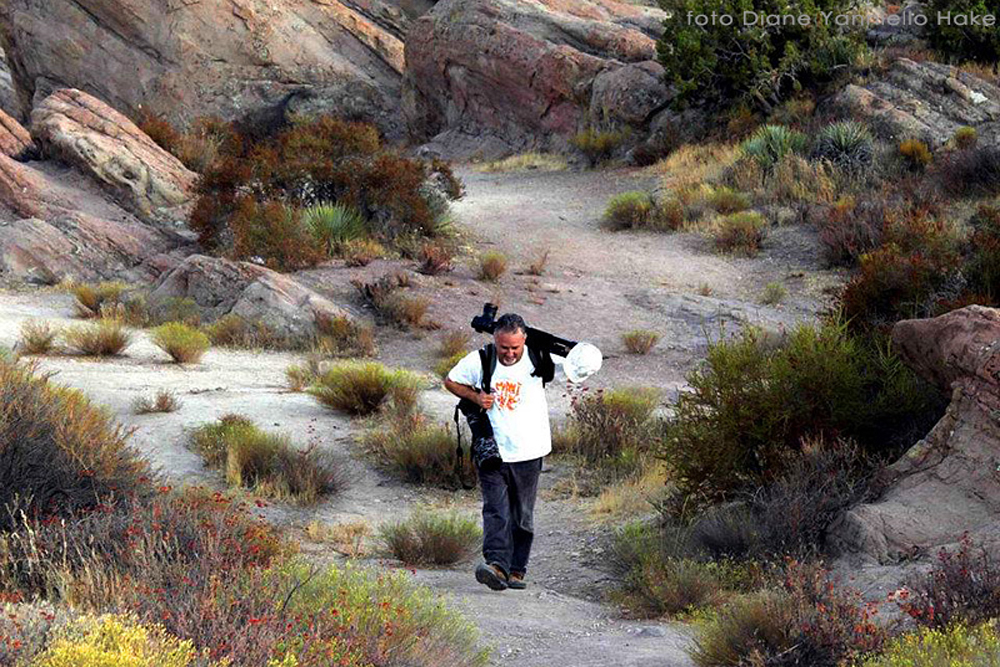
770, 144
347, 538
959, 644
614, 430
726, 200
537, 265
183, 343
106, 338
429, 538
26, 629
360, 388
162, 401
172, 309
37, 337
965, 137
406, 311
975, 171
60, 452
266, 462
848, 145
299, 377
710, 63
965, 42
755, 399
116, 640
774, 293
453, 342
417, 450
234, 331
629, 210
526, 162
445, 364
982, 268
807, 621
435, 258
492, 265
341, 336
362, 252
740, 233
273, 232
640, 341
915, 154
310, 161
962, 587
160, 130
91, 299
851, 229
597, 145
333, 225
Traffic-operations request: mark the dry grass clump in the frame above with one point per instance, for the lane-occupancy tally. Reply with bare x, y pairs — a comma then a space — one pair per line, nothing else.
406, 311
341, 336
106, 338
492, 265
347, 538
597, 145
415, 448
234, 331
915, 153
428, 538
537, 265
739, 233
183, 343
266, 462
640, 341
362, 252
774, 293
390, 305
454, 342
726, 200
361, 388
163, 401
91, 299
435, 258
695, 163
631, 497
526, 162
37, 337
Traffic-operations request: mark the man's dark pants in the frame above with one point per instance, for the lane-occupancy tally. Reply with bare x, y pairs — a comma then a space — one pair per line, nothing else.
508, 509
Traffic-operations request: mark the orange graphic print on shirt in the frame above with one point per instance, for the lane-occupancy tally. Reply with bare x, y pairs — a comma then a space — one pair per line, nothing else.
508, 394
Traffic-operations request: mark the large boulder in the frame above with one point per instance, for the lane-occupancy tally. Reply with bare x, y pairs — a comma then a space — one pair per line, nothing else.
949, 482
530, 73
219, 287
83, 131
922, 100
14, 139
183, 59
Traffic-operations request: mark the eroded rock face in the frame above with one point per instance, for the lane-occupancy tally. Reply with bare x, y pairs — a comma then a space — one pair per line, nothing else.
83, 131
184, 59
949, 482
530, 74
925, 100
257, 294
14, 139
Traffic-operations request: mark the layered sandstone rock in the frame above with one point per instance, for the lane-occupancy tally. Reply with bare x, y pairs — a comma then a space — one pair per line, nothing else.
949, 482
923, 100
14, 139
184, 59
531, 73
83, 131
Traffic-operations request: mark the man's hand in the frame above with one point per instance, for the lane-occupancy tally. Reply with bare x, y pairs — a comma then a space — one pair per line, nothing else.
485, 401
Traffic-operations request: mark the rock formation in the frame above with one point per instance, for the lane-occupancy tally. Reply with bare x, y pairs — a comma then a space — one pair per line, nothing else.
83, 131
513, 74
949, 482
184, 59
925, 100
14, 139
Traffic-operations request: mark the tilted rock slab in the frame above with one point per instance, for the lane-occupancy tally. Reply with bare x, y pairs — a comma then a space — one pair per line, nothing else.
949, 482
925, 100
190, 58
255, 293
531, 73
14, 139
85, 132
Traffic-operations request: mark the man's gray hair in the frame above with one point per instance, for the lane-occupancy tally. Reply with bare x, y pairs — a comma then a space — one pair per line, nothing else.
510, 323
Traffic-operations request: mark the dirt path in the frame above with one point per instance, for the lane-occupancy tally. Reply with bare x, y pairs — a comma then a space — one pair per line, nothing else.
596, 286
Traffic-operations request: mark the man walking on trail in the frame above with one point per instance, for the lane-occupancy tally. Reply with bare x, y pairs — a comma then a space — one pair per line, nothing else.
519, 415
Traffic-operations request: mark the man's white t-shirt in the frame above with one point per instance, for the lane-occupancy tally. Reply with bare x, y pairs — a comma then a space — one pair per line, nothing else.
520, 415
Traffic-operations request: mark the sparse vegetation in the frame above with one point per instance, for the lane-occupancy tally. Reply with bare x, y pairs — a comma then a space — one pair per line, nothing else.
774, 293
629, 210
915, 153
965, 137
184, 344
435, 258
347, 538
771, 144
537, 265
163, 401
341, 336
597, 145
848, 145
956, 645
431, 538
234, 331
92, 299
740, 233
640, 341
526, 162
492, 265
360, 388
37, 337
106, 338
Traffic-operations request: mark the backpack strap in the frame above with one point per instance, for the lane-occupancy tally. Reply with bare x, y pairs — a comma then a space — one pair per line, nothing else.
488, 357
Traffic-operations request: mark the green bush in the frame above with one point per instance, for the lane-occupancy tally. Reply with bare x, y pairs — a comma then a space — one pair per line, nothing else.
755, 399
431, 538
757, 63
183, 343
726, 200
333, 225
848, 144
629, 210
61, 453
982, 270
360, 388
740, 233
770, 144
266, 462
597, 145
915, 153
415, 449
492, 265
965, 42
955, 646
965, 137
92, 299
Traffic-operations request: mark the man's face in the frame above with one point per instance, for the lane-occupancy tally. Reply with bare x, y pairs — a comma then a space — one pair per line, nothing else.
510, 347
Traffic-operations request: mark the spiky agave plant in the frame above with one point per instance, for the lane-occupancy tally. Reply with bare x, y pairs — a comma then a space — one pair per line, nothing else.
333, 225
847, 144
770, 143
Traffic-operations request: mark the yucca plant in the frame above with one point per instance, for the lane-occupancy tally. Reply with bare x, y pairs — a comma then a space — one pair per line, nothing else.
333, 225
848, 144
770, 143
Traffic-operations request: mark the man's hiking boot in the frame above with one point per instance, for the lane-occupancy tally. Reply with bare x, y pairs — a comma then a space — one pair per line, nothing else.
492, 576
515, 582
